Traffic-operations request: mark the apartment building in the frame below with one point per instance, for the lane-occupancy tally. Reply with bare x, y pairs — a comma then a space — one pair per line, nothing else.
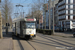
66, 14
56, 20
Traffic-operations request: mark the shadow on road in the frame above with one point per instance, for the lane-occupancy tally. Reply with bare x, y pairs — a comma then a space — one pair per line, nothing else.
18, 39
53, 41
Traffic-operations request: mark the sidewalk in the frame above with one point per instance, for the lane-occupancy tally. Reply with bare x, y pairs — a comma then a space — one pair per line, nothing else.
6, 43
64, 34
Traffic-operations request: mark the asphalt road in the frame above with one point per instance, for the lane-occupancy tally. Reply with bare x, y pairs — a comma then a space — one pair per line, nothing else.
44, 42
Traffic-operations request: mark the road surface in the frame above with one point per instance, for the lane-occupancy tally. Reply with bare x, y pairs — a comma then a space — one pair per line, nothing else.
44, 42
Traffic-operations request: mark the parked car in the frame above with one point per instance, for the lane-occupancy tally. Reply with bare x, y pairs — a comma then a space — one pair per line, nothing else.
74, 34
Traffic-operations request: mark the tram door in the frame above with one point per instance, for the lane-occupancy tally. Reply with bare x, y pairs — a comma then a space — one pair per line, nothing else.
21, 28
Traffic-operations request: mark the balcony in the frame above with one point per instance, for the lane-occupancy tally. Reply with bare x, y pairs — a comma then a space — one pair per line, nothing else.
61, 12
62, 7
62, 2
62, 17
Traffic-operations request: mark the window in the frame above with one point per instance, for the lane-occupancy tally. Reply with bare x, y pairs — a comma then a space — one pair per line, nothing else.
74, 1
30, 25
68, 6
74, 6
71, 6
74, 17
73, 11
68, 1
68, 11
69, 17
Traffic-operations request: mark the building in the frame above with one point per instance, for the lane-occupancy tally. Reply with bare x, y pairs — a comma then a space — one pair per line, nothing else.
66, 14
56, 20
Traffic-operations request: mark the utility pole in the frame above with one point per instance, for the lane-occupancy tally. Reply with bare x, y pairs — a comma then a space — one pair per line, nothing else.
23, 14
53, 16
45, 14
49, 15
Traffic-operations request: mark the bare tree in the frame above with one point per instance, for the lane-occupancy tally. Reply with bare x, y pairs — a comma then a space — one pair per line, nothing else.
36, 12
6, 10
39, 6
10, 20
37, 9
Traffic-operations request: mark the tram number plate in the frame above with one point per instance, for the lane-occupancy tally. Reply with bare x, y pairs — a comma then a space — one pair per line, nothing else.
32, 34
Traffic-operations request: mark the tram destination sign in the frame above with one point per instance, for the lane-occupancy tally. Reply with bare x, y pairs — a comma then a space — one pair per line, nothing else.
30, 19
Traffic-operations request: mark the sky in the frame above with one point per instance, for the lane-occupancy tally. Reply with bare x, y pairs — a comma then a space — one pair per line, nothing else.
25, 3
27, 6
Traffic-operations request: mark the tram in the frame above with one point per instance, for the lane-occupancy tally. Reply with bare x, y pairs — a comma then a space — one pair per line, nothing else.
24, 27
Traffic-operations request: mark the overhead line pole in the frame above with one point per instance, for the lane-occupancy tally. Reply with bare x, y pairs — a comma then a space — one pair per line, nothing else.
19, 6
23, 14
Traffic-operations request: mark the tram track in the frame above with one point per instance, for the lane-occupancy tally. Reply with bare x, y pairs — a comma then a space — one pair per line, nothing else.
31, 45
23, 43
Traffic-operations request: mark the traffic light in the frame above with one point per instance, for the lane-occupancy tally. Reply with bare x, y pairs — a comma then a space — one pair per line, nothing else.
7, 24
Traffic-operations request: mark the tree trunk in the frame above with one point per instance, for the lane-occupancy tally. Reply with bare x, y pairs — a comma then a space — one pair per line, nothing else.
39, 25
45, 20
1, 36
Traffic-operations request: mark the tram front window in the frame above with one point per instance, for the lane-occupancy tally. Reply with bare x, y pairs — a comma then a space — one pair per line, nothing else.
30, 25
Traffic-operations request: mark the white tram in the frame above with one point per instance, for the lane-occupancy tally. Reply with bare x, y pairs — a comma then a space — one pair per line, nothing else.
24, 27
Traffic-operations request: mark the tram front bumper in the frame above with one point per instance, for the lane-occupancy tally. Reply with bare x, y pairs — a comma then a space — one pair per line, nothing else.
31, 34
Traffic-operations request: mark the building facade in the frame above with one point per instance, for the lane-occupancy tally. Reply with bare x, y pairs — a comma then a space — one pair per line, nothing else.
66, 14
